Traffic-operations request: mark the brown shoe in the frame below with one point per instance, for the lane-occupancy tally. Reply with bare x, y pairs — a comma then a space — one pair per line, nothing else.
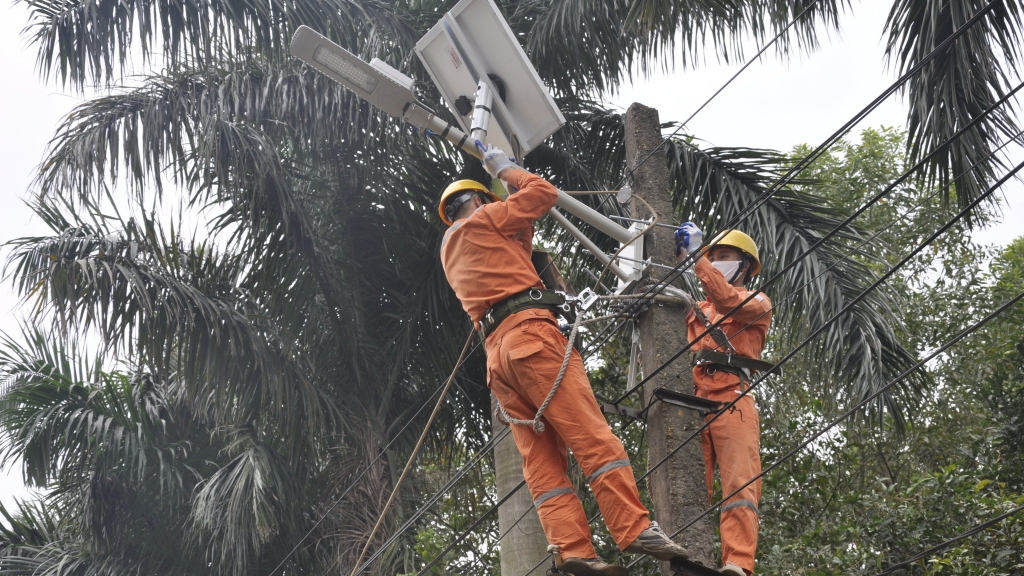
654, 542
592, 567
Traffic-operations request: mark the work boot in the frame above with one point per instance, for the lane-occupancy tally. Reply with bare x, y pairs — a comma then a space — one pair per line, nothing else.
654, 542
732, 570
592, 567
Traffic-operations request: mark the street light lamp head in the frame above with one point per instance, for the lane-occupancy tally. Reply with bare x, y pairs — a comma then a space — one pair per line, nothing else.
375, 82
350, 73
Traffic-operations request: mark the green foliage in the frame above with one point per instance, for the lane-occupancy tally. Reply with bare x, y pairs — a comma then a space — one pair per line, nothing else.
869, 498
262, 364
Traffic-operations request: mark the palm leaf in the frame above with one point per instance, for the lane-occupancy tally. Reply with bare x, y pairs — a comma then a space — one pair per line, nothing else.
954, 88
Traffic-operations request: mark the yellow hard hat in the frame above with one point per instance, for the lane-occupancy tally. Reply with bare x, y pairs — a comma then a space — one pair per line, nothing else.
458, 187
741, 242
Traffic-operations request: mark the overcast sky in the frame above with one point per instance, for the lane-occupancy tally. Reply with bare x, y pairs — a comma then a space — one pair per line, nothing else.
772, 105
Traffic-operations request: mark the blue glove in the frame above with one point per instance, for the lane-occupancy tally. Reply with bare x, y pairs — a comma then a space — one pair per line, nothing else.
688, 237
494, 159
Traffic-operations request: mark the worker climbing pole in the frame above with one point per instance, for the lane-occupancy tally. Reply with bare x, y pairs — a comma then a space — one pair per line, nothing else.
538, 378
725, 359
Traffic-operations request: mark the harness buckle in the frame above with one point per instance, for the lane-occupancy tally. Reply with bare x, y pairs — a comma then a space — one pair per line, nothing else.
586, 298
535, 294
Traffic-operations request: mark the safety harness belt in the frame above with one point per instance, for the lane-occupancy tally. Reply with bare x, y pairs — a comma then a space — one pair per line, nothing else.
525, 300
733, 362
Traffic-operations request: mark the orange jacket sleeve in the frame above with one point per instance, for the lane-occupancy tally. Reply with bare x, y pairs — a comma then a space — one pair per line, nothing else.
535, 197
726, 297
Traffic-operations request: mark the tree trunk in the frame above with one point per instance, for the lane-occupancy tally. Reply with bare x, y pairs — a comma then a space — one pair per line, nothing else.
677, 487
524, 545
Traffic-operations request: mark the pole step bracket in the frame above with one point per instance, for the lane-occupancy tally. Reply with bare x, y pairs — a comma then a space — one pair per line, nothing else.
682, 567
687, 400
609, 408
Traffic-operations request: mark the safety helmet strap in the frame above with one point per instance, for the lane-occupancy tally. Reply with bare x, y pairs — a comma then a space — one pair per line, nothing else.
744, 268
453, 205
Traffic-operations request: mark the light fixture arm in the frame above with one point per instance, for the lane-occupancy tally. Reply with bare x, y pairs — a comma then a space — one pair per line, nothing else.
391, 91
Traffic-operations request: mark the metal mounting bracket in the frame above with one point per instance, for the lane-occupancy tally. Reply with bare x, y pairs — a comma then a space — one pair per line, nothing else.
392, 92
689, 401
609, 408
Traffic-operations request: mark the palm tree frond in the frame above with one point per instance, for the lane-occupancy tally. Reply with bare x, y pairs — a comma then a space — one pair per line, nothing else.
956, 87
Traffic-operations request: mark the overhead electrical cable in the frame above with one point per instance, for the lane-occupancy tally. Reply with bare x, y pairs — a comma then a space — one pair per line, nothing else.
470, 530
682, 125
355, 481
859, 248
846, 222
416, 449
803, 163
763, 196
719, 91
874, 286
437, 496
946, 544
785, 179
753, 385
953, 341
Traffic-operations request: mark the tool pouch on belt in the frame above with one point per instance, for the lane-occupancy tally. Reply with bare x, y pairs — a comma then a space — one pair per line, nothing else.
525, 300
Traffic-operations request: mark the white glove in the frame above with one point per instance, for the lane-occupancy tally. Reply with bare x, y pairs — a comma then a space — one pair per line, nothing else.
494, 159
688, 237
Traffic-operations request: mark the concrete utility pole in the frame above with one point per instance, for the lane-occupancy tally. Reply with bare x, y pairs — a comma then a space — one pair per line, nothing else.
525, 545
677, 487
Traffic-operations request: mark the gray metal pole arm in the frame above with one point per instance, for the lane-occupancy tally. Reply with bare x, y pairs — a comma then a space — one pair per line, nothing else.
425, 120
391, 91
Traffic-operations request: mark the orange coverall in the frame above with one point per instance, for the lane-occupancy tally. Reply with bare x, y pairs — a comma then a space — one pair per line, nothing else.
486, 258
732, 442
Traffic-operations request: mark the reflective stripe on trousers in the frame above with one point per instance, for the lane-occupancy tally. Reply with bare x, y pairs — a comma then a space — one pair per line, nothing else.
551, 494
742, 503
606, 468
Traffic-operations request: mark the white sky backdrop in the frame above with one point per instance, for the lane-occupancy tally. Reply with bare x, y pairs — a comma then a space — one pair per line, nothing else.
771, 105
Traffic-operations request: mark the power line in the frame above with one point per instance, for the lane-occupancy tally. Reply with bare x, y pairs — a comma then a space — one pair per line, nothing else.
717, 92
437, 496
416, 449
956, 339
807, 340
885, 276
871, 202
943, 545
782, 181
803, 163
899, 218
871, 288
813, 335
355, 481
470, 530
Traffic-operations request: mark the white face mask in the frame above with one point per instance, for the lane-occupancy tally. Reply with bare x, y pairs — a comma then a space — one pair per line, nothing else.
728, 268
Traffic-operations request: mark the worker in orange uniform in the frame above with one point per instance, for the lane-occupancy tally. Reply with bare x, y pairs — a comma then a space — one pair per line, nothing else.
732, 441
486, 257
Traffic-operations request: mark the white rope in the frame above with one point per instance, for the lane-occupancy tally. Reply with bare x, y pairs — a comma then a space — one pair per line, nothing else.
535, 422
